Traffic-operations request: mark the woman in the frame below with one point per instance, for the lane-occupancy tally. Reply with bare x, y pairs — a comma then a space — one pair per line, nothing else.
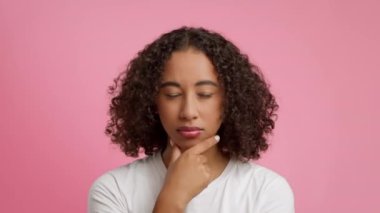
200, 111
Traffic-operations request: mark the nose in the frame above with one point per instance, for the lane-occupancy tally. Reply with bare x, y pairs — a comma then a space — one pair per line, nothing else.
189, 109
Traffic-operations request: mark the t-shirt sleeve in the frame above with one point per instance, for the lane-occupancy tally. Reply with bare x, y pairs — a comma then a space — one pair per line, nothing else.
105, 196
278, 197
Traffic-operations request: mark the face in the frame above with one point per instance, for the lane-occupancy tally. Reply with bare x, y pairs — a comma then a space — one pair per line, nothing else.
189, 101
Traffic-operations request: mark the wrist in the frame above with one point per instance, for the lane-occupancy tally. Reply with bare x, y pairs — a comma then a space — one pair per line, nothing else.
170, 202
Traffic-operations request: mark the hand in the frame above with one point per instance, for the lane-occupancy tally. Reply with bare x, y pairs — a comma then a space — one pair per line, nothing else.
188, 172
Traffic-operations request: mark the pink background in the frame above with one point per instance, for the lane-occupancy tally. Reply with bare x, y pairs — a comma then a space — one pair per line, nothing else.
57, 59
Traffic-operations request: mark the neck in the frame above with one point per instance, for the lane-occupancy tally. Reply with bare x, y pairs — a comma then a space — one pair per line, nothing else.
217, 161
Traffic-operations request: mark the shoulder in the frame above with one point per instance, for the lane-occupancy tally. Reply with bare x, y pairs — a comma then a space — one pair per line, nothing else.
255, 172
262, 175
118, 175
274, 191
111, 190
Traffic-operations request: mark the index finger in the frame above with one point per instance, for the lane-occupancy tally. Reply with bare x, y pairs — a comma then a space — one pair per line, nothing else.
204, 146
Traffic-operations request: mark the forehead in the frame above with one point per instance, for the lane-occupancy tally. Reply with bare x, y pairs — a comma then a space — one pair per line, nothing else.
189, 66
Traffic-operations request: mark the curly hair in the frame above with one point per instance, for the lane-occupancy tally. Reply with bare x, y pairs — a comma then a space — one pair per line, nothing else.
249, 106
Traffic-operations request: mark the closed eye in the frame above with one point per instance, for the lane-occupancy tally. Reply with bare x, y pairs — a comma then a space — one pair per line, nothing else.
205, 95
172, 95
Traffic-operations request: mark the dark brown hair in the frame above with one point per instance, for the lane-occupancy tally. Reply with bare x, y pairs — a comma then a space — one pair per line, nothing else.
249, 106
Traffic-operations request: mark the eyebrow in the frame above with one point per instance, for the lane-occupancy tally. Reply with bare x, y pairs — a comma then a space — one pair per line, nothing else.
199, 83
206, 82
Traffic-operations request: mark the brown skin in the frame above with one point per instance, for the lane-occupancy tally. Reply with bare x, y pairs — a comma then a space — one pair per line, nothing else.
188, 101
188, 174
189, 95
249, 108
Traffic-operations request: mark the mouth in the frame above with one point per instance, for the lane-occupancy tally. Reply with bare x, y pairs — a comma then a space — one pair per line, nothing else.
189, 132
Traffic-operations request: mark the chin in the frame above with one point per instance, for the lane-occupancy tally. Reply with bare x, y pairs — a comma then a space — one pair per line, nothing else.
185, 145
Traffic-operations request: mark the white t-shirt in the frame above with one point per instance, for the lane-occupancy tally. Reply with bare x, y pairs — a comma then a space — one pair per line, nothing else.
242, 187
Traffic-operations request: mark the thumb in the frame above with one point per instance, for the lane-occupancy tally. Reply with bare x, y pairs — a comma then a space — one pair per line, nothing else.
175, 152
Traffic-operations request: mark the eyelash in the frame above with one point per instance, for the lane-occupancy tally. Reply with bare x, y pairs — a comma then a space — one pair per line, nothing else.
204, 95
173, 95
201, 95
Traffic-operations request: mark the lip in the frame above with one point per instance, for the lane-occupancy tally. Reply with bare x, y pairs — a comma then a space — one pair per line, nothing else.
189, 128
189, 132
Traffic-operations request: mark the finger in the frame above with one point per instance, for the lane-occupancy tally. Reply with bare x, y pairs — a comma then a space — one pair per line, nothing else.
175, 152
204, 146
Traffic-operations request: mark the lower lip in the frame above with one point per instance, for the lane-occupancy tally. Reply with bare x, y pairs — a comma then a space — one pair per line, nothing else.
190, 134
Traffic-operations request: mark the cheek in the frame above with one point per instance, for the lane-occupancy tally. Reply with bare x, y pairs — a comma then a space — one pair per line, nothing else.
167, 114
213, 113
214, 108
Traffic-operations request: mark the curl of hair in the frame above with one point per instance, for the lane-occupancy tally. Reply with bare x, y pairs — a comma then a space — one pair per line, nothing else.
249, 106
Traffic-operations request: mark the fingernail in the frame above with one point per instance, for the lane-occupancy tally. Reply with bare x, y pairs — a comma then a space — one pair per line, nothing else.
217, 138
